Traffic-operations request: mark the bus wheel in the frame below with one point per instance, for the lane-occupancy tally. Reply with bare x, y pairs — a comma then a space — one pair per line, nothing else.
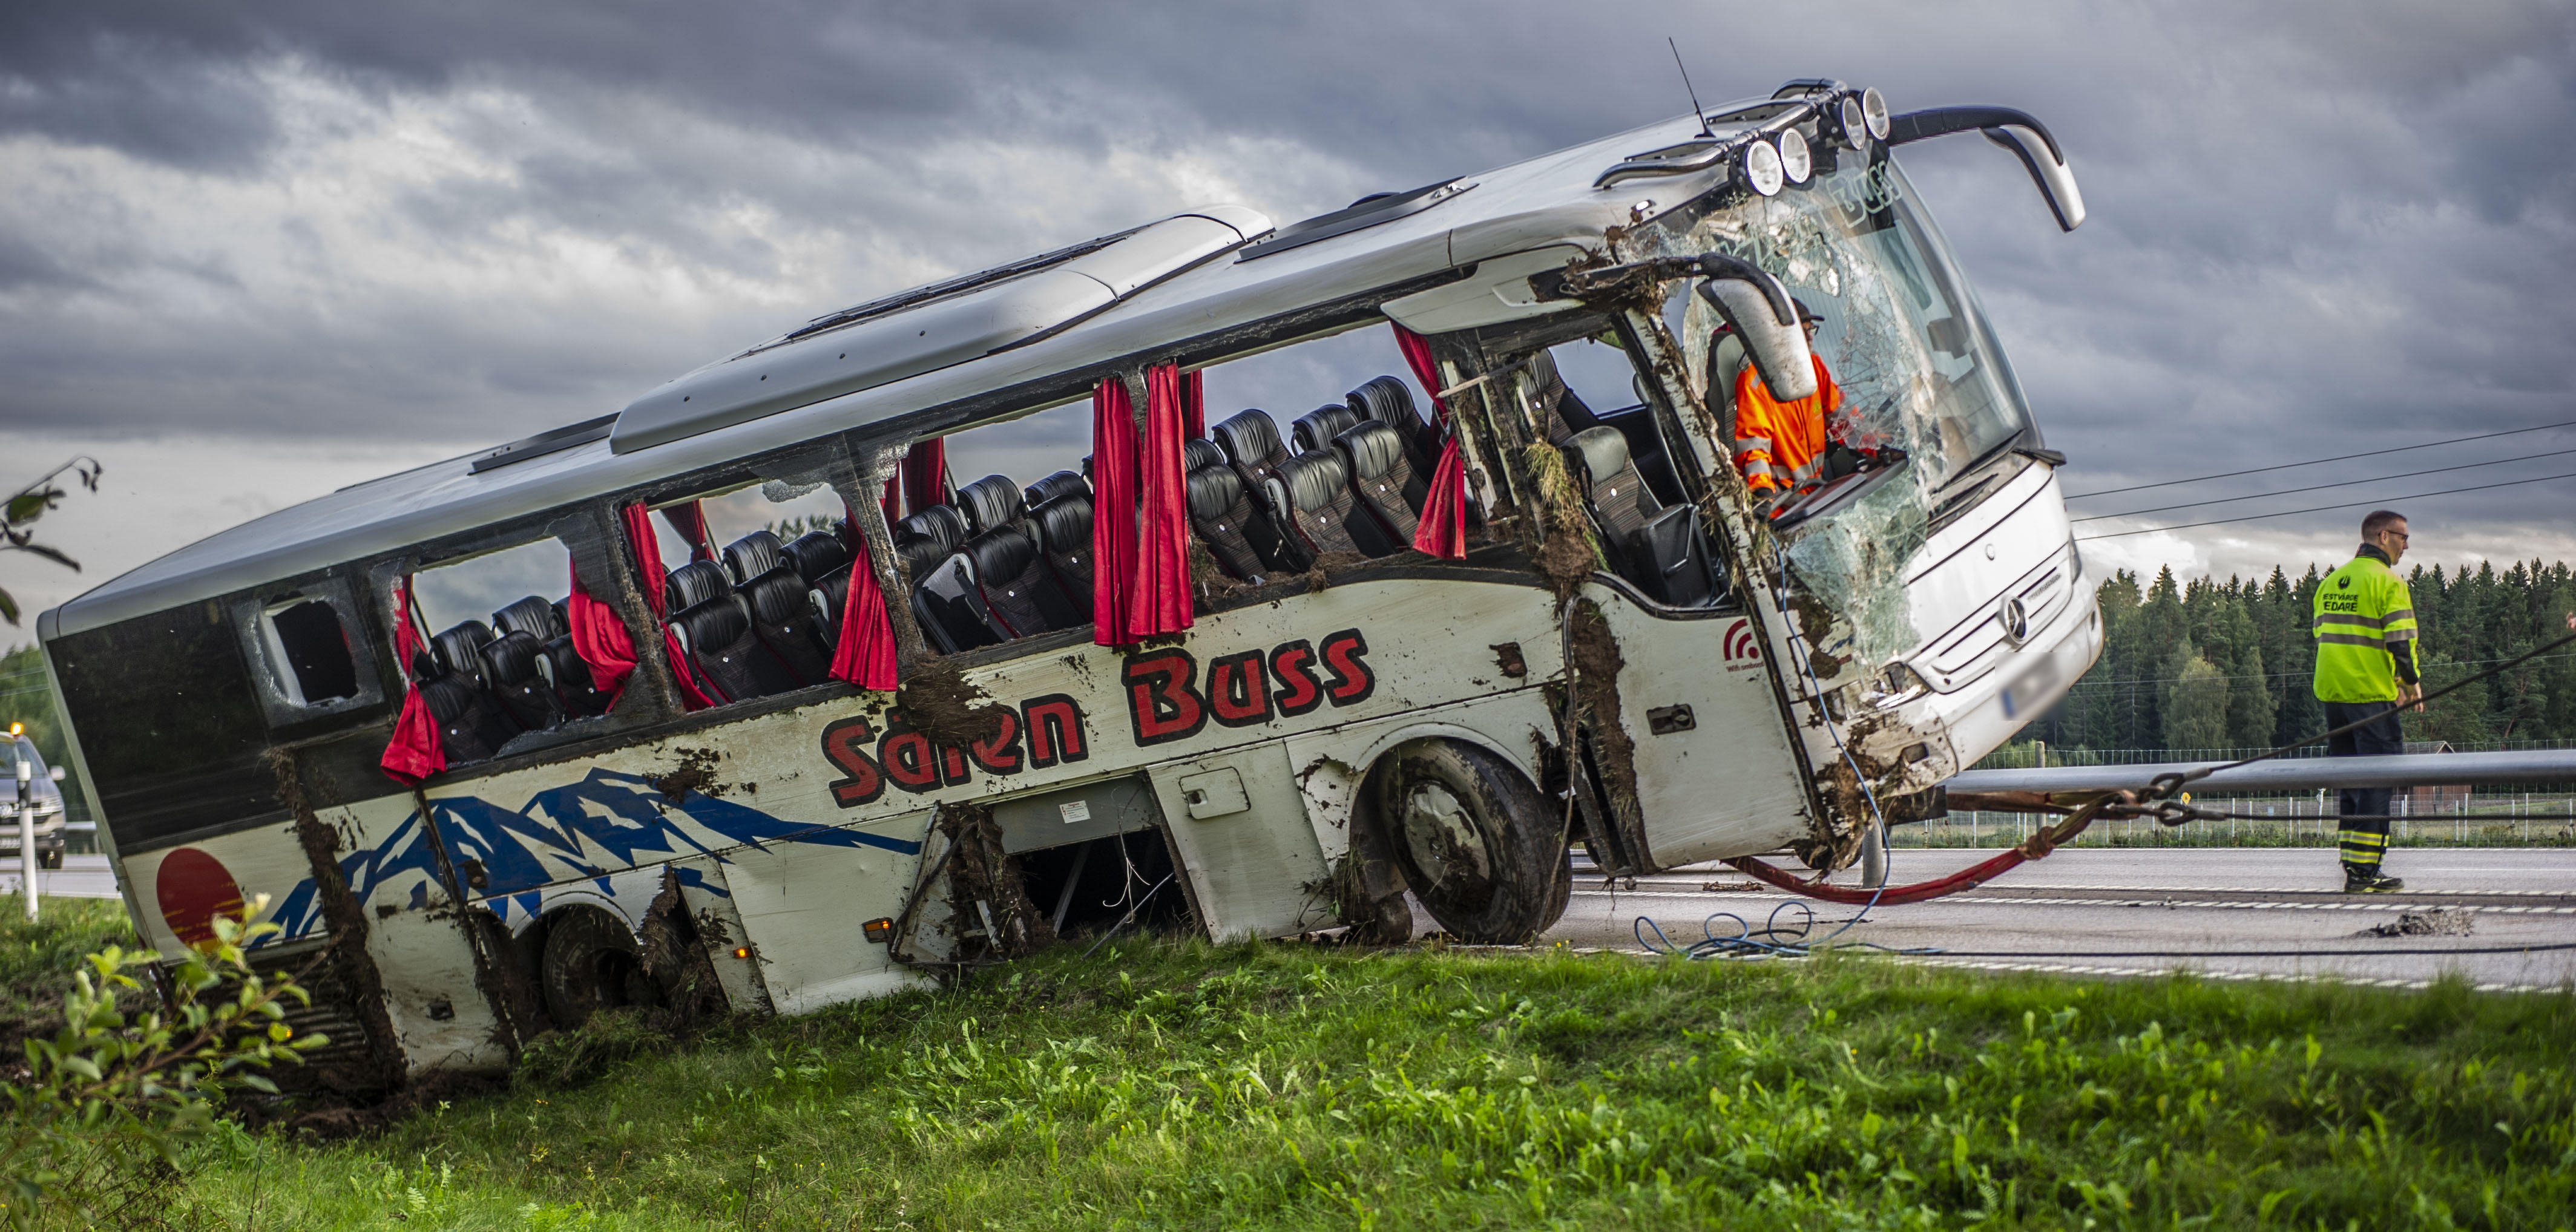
591, 963
1478, 843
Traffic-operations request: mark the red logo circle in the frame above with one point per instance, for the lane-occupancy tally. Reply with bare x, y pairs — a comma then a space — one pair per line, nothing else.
194, 888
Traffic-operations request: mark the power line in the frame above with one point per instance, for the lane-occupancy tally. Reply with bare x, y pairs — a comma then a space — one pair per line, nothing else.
2257, 517
2317, 461
2314, 487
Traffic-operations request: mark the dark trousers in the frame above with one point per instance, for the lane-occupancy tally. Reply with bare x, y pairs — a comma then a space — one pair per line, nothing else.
2364, 841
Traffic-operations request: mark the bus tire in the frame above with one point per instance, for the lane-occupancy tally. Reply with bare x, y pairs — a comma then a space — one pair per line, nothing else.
1478, 843
591, 963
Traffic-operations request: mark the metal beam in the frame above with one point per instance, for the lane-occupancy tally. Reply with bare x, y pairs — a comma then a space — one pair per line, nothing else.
2295, 774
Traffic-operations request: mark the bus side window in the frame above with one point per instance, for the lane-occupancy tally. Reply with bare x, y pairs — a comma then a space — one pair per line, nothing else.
760, 614
499, 662
304, 659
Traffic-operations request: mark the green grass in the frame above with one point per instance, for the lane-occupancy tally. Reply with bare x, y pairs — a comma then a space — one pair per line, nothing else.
36, 960
1184, 1086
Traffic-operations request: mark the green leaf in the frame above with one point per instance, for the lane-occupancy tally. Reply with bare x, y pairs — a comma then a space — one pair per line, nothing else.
50, 554
8, 607
31, 504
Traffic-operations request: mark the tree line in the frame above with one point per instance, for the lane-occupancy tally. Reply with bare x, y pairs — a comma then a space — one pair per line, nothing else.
2211, 665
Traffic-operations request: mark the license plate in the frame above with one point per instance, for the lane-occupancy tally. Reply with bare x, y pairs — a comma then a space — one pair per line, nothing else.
2036, 683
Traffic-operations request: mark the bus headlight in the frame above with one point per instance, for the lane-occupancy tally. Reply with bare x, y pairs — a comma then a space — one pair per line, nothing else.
1759, 167
1873, 112
1894, 686
1795, 165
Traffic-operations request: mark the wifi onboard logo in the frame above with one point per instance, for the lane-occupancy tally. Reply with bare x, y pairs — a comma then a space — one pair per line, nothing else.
1739, 648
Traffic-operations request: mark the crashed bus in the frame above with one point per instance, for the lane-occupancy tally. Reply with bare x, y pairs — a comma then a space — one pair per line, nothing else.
732, 701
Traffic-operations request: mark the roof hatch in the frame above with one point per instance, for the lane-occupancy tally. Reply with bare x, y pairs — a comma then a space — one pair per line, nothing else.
928, 328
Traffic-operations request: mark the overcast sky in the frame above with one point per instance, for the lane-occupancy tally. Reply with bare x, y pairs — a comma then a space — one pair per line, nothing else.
250, 253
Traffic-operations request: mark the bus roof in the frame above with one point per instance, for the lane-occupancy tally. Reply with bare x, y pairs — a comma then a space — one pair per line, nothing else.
1542, 202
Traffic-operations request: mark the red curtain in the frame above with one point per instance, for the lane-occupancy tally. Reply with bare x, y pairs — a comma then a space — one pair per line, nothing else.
691, 522
648, 568
1113, 511
1442, 531
864, 656
925, 475
600, 638
1193, 406
1160, 600
415, 752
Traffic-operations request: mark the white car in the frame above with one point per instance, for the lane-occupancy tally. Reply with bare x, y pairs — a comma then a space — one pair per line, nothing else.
42, 792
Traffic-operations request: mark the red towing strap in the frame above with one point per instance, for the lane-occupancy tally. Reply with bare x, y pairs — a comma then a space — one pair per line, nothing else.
2037, 846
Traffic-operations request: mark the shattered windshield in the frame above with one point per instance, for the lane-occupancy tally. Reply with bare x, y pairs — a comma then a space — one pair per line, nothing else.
1902, 333
1904, 338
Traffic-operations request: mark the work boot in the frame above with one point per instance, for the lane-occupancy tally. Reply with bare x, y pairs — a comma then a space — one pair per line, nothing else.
2359, 880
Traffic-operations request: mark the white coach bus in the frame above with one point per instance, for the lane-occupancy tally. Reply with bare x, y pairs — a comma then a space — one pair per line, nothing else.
1503, 592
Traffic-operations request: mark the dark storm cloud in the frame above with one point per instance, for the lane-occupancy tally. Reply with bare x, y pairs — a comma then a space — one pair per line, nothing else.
2315, 227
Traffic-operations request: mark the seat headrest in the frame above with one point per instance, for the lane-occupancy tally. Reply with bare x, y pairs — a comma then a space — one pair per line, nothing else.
1373, 448
1315, 480
1213, 492
459, 648
1250, 439
753, 555
939, 524
1064, 524
511, 657
1387, 400
697, 582
1000, 554
816, 553
1603, 452
1061, 483
532, 616
921, 554
1197, 452
989, 502
1316, 429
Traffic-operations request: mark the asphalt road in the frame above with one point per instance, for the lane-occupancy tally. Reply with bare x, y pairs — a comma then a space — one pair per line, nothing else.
80, 877
2228, 912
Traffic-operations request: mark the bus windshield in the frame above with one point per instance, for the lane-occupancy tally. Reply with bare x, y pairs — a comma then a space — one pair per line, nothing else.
1902, 333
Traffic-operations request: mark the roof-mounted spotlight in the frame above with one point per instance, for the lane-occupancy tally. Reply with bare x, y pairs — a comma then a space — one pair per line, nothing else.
1843, 121
1758, 167
1873, 112
1795, 165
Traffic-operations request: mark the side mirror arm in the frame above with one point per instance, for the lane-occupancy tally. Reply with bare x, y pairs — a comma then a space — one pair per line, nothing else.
1752, 302
2014, 130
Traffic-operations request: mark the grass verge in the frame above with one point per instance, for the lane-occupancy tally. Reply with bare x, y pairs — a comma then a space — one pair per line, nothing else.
1179, 1085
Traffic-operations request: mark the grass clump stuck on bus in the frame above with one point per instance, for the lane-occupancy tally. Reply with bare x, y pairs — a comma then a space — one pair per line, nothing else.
1180, 1085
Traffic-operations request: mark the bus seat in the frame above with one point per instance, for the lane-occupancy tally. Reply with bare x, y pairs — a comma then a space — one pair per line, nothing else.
1314, 431
1561, 412
560, 664
990, 502
1388, 400
1315, 491
823, 561
516, 673
1018, 586
716, 632
781, 615
1063, 527
1198, 451
951, 609
460, 648
1673, 555
939, 524
1381, 477
1659, 549
1061, 483
532, 616
1222, 516
470, 724
1251, 442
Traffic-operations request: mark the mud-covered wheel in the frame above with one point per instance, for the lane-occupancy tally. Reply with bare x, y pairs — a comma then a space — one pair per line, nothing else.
1477, 842
591, 963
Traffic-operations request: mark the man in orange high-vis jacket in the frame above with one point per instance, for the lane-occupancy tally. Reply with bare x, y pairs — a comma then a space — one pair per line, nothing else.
1781, 446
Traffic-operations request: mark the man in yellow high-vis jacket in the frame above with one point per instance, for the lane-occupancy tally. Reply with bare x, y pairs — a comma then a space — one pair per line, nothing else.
2366, 671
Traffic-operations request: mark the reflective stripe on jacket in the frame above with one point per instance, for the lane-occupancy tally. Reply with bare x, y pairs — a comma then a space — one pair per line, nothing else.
1780, 446
2365, 630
